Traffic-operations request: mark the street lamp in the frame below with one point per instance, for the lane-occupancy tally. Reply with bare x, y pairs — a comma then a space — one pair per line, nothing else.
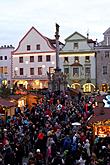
53, 62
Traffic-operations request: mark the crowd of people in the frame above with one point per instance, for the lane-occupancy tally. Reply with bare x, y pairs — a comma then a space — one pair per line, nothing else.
54, 131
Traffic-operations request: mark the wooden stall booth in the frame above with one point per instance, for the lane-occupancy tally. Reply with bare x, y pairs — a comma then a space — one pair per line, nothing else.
7, 107
100, 121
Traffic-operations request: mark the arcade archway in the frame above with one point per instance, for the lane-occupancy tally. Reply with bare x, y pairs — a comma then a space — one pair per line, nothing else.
76, 86
88, 87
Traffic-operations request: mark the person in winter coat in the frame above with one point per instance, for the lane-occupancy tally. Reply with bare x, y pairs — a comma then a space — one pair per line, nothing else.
87, 147
67, 142
57, 160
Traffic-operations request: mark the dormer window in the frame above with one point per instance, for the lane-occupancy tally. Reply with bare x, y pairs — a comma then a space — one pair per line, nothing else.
76, 45
28, 47
76, 59
38, 47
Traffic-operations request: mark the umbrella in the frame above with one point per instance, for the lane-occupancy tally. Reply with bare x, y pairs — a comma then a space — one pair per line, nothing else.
76, 124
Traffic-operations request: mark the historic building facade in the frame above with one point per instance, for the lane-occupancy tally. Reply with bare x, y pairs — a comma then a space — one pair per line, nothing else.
78, 60
5, 64
103, 62
33, 58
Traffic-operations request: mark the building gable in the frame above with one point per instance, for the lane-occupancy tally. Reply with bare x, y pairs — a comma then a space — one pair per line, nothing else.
77, 43
107, 32
34, 38
75, 36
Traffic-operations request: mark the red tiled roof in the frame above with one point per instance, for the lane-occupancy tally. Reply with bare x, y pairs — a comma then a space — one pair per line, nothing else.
91, 41
53, 42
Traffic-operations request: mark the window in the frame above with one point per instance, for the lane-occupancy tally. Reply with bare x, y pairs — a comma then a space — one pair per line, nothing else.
104, 69
5, 70
48, 58
87, 58
1, 57
31, 71
28, 47
39, 58
21, 71
76, 59
38, 47
106, 54
65, 59
31, 58
66, 70
87, 71
20, 59
1, 70
75, 45
51, 70
39, 70
75, 71
5, 57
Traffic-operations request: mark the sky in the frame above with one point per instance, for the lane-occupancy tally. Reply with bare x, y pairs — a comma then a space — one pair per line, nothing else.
83, 16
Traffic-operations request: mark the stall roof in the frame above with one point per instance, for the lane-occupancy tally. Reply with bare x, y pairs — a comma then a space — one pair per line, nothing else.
6, 103
100, 114
16, 97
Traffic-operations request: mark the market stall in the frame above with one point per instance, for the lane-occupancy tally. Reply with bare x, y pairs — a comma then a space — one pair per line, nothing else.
7, 107
100, 121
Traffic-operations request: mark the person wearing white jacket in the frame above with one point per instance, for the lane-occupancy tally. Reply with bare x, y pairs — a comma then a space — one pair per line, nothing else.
87, 147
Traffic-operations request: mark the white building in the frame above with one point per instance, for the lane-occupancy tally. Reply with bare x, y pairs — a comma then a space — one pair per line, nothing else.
33, 58
5, 64
77, 58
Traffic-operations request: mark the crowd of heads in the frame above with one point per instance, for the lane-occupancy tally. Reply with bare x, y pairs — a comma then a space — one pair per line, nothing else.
53, 131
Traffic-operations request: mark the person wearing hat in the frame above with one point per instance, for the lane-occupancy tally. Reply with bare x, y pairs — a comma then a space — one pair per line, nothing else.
39, 157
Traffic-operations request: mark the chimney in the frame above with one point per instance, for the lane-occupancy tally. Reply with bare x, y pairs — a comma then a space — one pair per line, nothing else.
87, 35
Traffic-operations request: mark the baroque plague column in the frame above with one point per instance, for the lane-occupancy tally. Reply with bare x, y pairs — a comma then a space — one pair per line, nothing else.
57, 80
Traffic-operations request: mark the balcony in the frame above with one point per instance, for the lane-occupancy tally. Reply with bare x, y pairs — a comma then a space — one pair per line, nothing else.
76, 77
30, 77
